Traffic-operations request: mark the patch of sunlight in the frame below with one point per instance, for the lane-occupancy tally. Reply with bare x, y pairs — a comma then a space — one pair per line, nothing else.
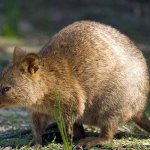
5, 41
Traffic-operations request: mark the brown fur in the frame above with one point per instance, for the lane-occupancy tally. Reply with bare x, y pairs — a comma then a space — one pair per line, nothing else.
100, 74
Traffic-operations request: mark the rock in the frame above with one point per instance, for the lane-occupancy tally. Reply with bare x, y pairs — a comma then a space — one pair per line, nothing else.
8, 148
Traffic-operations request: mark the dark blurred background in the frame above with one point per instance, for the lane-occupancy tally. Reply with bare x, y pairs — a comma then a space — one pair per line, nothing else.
29, 23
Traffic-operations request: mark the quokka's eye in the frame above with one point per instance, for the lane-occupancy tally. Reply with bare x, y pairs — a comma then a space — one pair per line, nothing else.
5, 90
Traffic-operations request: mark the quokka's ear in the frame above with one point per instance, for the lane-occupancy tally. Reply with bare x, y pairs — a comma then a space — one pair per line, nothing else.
30, 63
18, 54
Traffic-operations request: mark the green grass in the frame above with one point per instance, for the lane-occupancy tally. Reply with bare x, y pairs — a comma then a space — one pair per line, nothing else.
8, 41
11, 18
59, 119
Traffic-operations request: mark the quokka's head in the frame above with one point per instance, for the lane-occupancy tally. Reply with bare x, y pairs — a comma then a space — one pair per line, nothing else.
19, 81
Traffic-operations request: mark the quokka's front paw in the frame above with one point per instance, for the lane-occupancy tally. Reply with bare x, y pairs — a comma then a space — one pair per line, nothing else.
89, 142
33, 143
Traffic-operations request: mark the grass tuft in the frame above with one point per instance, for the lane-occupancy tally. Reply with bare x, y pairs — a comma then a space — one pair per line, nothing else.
59, 119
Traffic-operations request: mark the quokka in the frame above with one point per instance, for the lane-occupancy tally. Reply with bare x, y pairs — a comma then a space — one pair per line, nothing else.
99, 72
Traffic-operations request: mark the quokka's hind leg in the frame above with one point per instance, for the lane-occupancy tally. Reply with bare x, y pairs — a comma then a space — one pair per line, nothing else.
107, 133
143, 122
78, 131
